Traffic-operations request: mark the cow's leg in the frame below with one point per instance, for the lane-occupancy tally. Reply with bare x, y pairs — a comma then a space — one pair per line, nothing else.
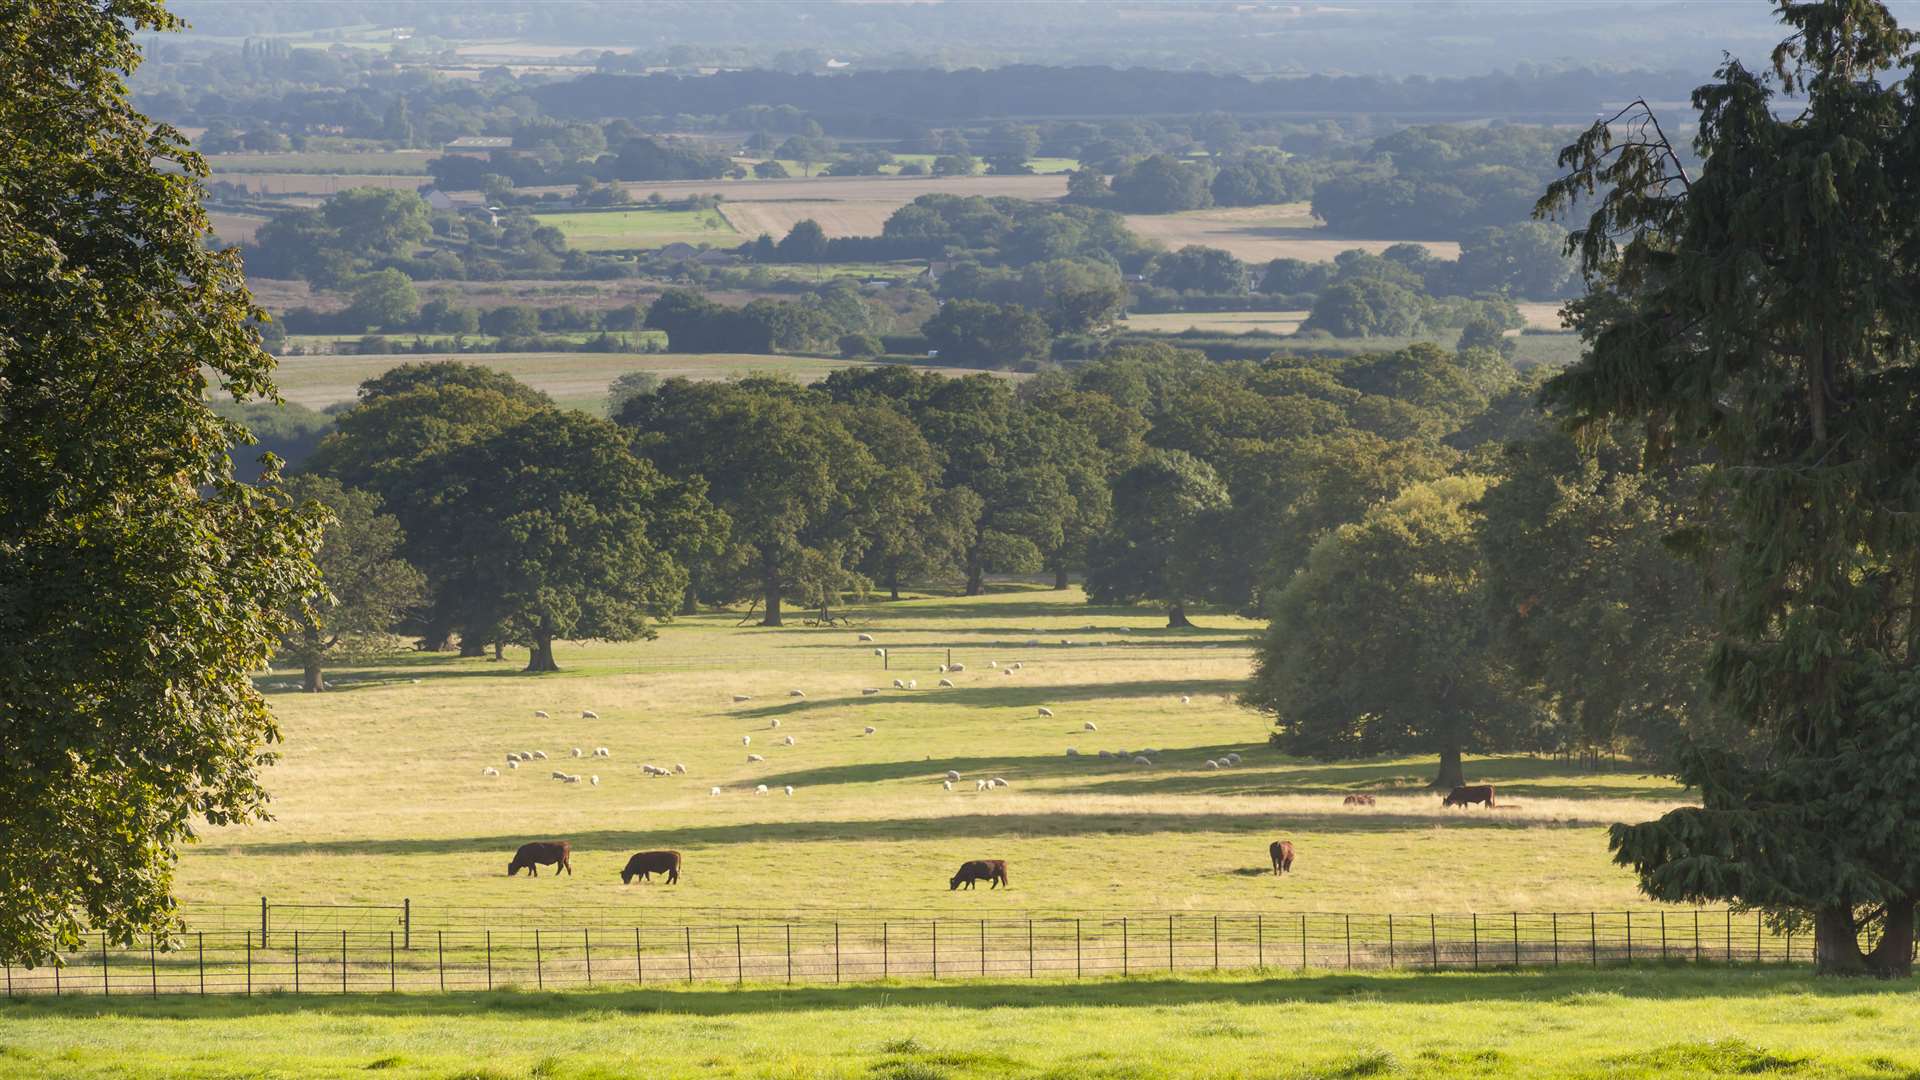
533, 869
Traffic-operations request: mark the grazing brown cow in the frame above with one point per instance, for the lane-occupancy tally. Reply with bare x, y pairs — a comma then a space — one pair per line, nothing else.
645, 864
1282, 852
994, 870
1467, 796
1357, 800
532, 856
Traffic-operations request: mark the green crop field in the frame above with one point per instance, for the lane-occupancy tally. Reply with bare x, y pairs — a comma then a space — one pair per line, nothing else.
380, 795
575, 380
641, 228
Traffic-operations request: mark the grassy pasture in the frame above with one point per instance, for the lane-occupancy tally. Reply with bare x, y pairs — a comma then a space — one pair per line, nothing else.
1216, 322
1259, 234
643, 228
575, 380
1618, 1025
381, 795
395, 162
315, 184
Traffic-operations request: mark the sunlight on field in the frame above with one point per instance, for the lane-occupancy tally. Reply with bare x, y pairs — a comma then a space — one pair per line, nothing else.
1260, 234
1217, 322
641, 228
380, 794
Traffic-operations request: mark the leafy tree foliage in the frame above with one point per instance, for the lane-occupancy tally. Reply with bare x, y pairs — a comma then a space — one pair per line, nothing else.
367, 586
1381, 645
987, 335
1758, 313
1167, 512
1161, 184
140, 586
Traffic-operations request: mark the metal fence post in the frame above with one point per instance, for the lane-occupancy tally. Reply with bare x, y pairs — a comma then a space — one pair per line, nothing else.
1259, 944
739, 963
539, 976
983, 946
296, 961
1169, 943
1516, 939
343, 961
936, 948
1593, 937
263, 922
1390, 951
106, 980
202, 946
689, 936
1476, 941
1349, 943
1029, 948
789, 953
1696, 935
406, 921
1433, 938
586, 950
639, 965
1629, 937
1303, 941
489, 959
1556, 939
153, 965
393, 973
1125, 960
1216, 943
886, 964
836, 950
249, 963
1663, 936
440, 951
1076, 950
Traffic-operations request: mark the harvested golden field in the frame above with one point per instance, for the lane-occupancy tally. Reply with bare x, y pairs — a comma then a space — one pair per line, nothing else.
1258, 234
1542, 314
299, 183
235, 228
1217, 322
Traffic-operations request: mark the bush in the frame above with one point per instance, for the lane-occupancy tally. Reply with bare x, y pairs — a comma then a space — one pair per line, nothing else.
856, 346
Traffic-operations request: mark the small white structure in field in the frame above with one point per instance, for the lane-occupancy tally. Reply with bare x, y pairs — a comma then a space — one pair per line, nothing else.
879, 652
589, 714
489, 771
1044, 711
1089, 726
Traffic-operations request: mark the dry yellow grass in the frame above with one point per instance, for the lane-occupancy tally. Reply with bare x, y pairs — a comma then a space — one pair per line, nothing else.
1263, 233
1217, 322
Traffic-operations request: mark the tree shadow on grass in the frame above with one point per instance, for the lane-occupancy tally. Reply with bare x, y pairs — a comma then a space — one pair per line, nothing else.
1014, 693
1544, 988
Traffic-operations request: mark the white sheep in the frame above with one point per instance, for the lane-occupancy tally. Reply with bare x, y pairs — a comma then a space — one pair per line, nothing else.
913, 684
866, 637
998, 781
1234, 757
1141, 761
1044, 711
788, 740
601, 751
557, 775
1071, 752
789, 789
1106, 753
713, 791
947, 683
868, 691
1088, 726
943, 669
796, 693
775, 723
681, 769
1212, 764
879, 652
539, 755
746, 740
981, 785
594, 780
899, 685
738, 698
870, 729
513, 764
956, 667
1018, 664
1066, 641
1126, 629
993, 663
953, 774
1186, 699
755, 757
512, 757
760, 789
1006, 671
577, 752
589, 714
540, 714
948, 784
489, 771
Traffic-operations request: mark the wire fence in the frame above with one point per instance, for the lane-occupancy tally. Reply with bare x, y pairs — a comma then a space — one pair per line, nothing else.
359, 955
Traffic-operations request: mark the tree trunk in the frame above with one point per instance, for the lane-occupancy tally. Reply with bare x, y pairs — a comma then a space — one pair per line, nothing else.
436, 639
1893, 957
313, 683
1060, 577
499, 650
976, 579
893, 583
472, 647
770, 585
1177, 617
540, 656
1836, 942
689, 604
1452, 771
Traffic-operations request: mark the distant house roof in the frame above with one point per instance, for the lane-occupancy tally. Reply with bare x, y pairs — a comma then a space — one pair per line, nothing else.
710, 257
437, 199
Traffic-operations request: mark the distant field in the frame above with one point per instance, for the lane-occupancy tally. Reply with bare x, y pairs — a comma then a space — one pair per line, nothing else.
1542, 315
844, 206
404, 162
575, 380
1263, 233
1038, 164
625, 229
235, 228
319, 184
1219, 322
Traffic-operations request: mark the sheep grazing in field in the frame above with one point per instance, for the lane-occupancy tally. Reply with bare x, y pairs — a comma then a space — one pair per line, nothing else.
601, 751
589, 714
1138, 760
1006, 671
577, 752
953, 774
1089, 726
868, 691
913, 684
594, 780
1149, 751
1066, 641
738, 698
1033, 643
1106, 753
789, 789
981, 785
1186, 699
713, 791
879, 652
760, 789
869, 730
557, 775
943, 669
1044, 711
539, 755
947, 683
1071, 752
754, 757
775, 723
956, 667
1017, 665
681, 769
540, 714
788, 740
746, 740
1212, 764
489, 771
796, 693
899, 684
948, 784
513, 764
1234, 757
866, 637
993, 663
998, 781
512, 757
1126, 629
571, 778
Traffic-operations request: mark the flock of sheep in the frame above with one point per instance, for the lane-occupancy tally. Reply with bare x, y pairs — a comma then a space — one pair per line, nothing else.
1139, 757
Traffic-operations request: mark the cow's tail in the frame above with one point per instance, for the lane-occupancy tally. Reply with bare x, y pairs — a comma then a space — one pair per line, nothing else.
1004, 879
